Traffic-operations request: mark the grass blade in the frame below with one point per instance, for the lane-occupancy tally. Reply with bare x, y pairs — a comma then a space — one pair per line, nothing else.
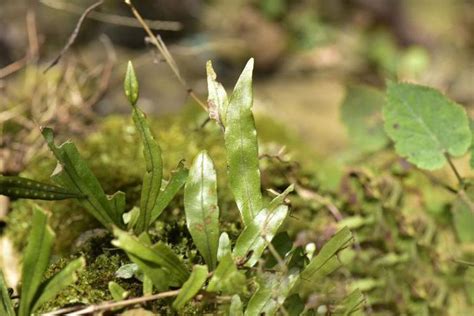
202, 211
36, 259
191, 287
75, 175
242, 148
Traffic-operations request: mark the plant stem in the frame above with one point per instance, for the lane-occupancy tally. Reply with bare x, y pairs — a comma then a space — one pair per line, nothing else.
109, 305
160, 45
453, 168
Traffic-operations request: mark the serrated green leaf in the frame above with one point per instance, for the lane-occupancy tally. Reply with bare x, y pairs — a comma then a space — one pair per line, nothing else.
200, 205
130, 84
191, 287
36, 260
153, 174
118, 293
256, 236
178, 179
242, 148
6, 305
74, 174
326, 261
273, 289
155, 261
217, 97
23, 188
425, 125
51, 288
224, 246
236, 306
361, 113
463, 216
227, 278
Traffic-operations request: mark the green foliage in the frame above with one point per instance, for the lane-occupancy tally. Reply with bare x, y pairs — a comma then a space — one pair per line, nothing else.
425, 125
130, 84
6, 305
202, 211
472, 145
117, 292
227, 279
19, 187
217, 100
74, 174
35, 291
191, 287
242, 148
361, 114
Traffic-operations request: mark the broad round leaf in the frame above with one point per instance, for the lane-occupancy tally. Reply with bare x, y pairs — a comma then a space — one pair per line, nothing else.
425, 125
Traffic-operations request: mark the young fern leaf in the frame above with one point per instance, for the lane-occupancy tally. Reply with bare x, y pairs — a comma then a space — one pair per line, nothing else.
178, 179
74, 174
191, 287
36, 260
152, 153
217, 100
6, 305
326, 261
50, 288
272, 291
227, 279
258, 234
157, 261
18, 187
425, 125
202, 211
242, 148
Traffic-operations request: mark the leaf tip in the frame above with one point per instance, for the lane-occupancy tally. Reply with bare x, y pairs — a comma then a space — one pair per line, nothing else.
131, 84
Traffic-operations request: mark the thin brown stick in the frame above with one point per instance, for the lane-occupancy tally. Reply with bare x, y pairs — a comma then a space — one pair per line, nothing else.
79, 310
161, 46
455, 171
112, 18
74, 34
13, 67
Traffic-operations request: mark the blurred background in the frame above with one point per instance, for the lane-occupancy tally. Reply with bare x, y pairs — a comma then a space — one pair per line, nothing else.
306, 52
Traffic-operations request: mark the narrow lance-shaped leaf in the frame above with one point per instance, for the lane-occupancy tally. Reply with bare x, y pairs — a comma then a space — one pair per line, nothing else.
258, 234
152, 153
178, 179
425, 125
191, 287
351, 304
217, 98
153, 174
19, 187
273, 289
36, 260
74, 174
156, 256
242, 148
227, 278
51, 288
6, 306
224, 246
326, 261
200, 205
